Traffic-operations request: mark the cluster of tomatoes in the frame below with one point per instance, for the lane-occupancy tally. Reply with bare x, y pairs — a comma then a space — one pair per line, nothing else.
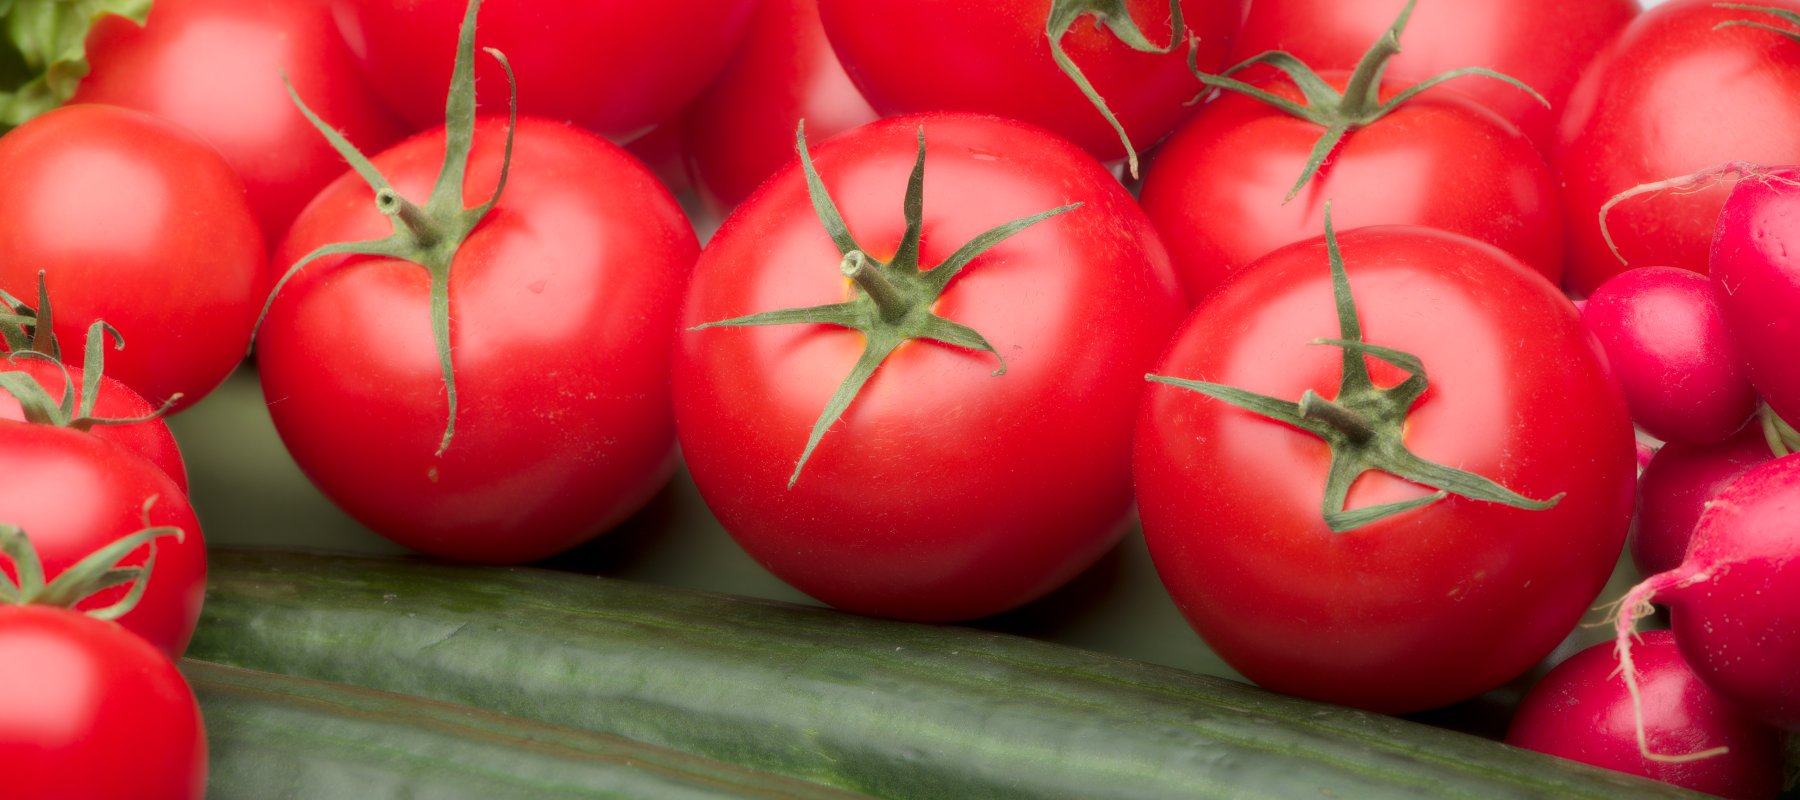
937, 356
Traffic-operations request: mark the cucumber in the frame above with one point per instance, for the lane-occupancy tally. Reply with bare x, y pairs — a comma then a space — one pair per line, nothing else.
275, 737
891, 709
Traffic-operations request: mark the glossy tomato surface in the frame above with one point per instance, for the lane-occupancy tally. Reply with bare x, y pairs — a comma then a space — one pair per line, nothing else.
74, 493
1430, 606
1672, 95
992, 57
216, 68
90, 712
613, 66
1215, 190
1543, 43
562, 305
945, 492
150, 439
138, 222
741, 129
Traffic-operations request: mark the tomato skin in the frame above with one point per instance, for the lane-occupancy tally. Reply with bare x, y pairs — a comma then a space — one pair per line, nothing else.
991, 57
1508, 36
1215, 188
116, 206
150, 439
74, 493
1430, 606
216, 68
562, 306
741, 129
613, 66
1672, 95
944, 492
90, 712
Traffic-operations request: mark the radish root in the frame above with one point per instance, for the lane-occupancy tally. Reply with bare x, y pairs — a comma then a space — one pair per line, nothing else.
1636, 604
1684, 184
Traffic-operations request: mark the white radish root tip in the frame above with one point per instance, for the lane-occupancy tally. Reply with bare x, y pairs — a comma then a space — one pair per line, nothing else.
1627, 611
1683, 184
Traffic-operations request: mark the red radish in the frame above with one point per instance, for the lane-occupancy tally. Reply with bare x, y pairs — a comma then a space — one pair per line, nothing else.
1675, 488
1755, 265
1734, 603
1665, 336
1580, 711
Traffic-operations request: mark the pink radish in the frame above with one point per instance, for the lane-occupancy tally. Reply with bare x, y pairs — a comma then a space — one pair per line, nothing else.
1666, 339
1755, 265
1675, 487
1579, 712
1734, 602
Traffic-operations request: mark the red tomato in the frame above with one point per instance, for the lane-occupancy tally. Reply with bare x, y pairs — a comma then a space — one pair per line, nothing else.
1673, 95
944, 492
138, 222
1513, 37
74, 493
562, 304
216, 68
1429, 606
1215, 188
614, 66
992, 57
90, 712
149, 439
741, 129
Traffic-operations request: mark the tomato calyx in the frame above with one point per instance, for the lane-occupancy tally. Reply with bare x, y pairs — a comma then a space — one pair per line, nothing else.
894, 299
1115, 17
28, 334
429, 236
45, 48
1365, 425
1783, 439
1339, 113
97, 572
1785, 15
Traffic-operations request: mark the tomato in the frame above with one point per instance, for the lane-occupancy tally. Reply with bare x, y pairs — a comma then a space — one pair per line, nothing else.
90, 712
944, 491
74, 493
140, 223
562, 303
1543, 43
150, 438
1215, 189
614, 66
1421, 608
992, 57
216, 68
741, 129
1672, 95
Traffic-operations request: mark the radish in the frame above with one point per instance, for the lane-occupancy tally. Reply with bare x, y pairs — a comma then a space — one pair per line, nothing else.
1579, 712
1755, 265
1675, 487
1734, 602
1666, 339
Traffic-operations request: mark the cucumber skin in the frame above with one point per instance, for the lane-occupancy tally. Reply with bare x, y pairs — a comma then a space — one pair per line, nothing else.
891, 709
277, 737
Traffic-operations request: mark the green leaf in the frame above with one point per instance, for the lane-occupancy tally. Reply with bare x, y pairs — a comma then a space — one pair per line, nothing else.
43, 55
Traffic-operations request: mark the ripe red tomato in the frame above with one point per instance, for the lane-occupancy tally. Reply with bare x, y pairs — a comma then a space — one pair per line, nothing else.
944, 492
216, 68
1215, 188
140, 223
74, 493
614, 66
562, 305
90, 712
1672, 95
1509, 36
741, 129
1429, 606
149, 439
992, 57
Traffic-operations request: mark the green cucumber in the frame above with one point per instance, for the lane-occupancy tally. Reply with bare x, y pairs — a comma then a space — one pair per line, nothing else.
890, 709
277, 736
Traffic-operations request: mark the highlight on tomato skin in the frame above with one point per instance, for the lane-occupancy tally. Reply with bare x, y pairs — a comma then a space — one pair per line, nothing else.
1422, 608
